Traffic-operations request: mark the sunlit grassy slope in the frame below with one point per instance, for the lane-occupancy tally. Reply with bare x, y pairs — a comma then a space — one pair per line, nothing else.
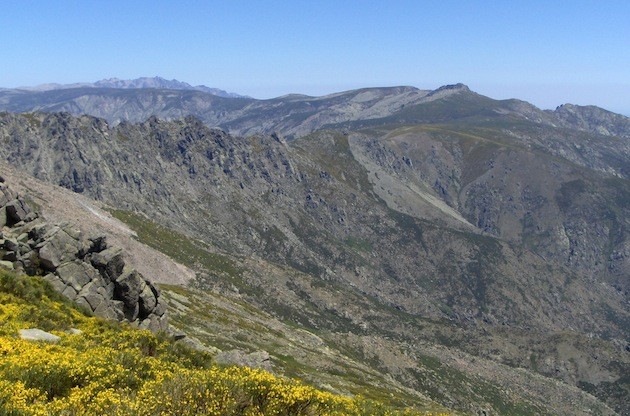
112, 369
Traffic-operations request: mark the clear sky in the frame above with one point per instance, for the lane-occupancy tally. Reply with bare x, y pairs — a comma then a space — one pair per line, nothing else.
546, 52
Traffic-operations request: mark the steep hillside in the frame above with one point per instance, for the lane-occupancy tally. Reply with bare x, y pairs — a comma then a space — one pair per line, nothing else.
472, 245
593, 119
60, 205
89, 366
294, 205
351, 363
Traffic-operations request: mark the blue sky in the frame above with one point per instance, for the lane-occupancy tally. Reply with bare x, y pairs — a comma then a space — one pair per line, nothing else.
545, 52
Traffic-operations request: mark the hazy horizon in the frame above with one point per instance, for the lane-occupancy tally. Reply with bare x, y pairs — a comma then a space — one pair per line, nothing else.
547, 54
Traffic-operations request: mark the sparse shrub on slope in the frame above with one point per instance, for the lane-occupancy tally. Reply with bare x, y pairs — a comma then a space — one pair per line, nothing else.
113, 369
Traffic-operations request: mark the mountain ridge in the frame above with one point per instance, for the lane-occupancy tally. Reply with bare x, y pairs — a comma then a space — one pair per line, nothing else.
393, 221
198, 152
298, 115
461, 371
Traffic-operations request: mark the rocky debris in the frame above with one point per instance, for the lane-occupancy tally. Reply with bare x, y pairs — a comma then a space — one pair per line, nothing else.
256, 359
38, 335
86, 271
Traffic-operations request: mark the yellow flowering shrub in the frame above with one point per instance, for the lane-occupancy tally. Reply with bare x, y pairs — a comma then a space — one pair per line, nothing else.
116, 370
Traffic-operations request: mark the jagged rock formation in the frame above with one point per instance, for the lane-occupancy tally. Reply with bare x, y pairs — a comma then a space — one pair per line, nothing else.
485, 226
88, 272
342, 207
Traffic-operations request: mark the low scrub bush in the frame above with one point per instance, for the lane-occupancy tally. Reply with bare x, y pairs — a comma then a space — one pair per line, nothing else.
116, 370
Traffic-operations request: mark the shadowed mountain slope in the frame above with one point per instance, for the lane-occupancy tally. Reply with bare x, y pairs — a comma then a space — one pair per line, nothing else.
482, 227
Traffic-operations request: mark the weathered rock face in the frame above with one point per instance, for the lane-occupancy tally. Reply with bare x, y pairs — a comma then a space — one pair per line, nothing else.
504, 224
432, 221
86, 271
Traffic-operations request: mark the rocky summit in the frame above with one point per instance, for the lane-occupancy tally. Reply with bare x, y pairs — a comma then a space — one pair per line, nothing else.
433, 243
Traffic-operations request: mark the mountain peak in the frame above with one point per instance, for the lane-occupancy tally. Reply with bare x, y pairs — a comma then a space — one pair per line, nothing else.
446, 90
453, 87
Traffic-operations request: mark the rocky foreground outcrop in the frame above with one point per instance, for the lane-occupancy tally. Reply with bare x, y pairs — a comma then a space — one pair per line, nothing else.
86, 271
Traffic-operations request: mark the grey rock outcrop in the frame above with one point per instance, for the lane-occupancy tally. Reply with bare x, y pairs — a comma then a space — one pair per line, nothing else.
35, 334
256, 359
86, 271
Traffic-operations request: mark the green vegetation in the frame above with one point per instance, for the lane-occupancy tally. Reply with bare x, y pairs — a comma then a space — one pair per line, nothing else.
179, 247
358, 244
122, 136
215, 319
334, 156
109, 368
32, 119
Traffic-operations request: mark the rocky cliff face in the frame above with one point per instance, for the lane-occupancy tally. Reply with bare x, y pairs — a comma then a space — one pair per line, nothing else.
461, 220
86, 271
433, 222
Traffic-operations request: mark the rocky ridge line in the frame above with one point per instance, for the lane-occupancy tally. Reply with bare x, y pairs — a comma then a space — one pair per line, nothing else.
86, 271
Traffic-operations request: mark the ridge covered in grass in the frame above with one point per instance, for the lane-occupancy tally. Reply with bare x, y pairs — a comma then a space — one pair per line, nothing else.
110, 368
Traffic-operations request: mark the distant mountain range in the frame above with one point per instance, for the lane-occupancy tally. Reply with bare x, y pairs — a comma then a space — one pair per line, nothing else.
143, 82
456, 243
295, 115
